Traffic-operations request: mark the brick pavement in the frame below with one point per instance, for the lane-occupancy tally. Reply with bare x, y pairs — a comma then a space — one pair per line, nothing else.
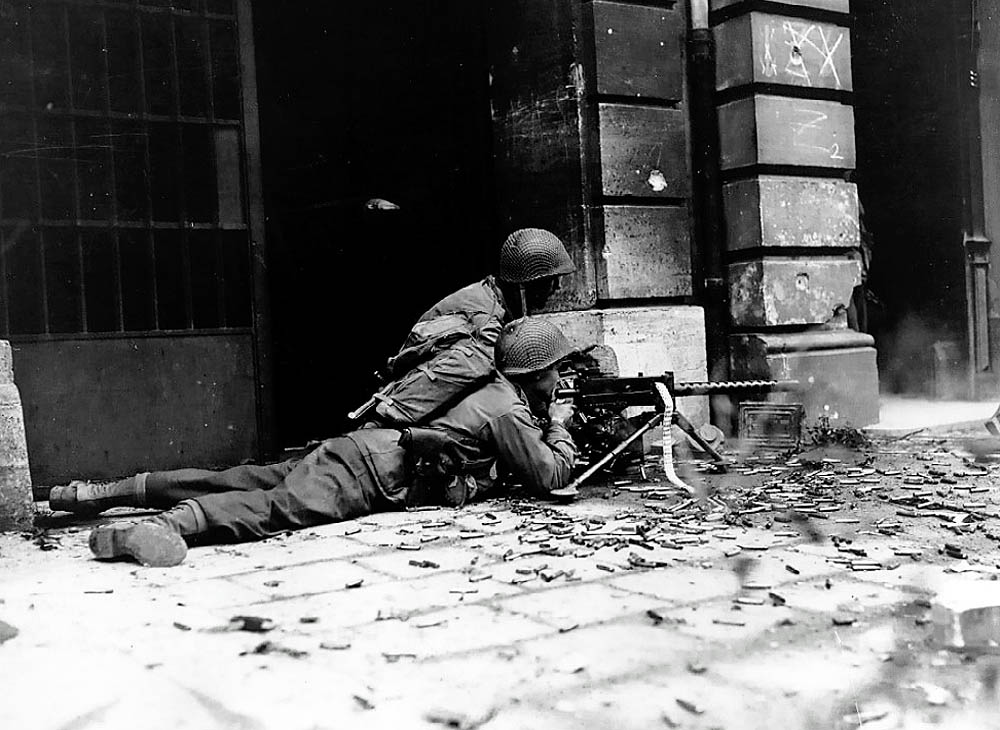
498, 616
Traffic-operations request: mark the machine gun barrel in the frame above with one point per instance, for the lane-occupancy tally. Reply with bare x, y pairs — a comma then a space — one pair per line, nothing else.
623, 392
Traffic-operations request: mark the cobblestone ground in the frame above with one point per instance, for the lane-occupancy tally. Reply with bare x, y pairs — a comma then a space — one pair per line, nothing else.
805, 603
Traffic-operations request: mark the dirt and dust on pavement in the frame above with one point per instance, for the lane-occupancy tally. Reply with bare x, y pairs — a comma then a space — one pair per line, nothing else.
853, 584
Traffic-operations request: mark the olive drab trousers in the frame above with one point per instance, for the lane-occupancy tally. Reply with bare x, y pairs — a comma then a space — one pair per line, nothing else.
330, 484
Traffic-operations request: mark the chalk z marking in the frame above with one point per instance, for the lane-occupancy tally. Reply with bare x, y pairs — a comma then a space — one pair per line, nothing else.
814, 120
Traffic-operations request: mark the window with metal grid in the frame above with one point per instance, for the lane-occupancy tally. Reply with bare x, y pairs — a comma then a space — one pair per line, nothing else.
121, 184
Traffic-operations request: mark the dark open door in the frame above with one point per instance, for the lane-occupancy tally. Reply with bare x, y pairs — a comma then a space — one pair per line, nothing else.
924, 151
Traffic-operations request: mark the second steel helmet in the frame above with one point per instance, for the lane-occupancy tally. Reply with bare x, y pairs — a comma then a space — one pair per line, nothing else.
530, 344
532, 253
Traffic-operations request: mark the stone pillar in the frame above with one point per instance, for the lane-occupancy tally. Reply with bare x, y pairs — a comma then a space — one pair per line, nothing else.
591, 139
786, 128
17, 507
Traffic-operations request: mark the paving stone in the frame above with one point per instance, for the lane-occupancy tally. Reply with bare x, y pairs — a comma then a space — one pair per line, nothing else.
848, 596
392, 519
644, 703
567, 606
330, 575
352, 607
718, 621
305, 551
504, 522
605, 653
679, 585
213, 592
450, 631
396, 563
779, 566
811, 673
532, 571
507, 543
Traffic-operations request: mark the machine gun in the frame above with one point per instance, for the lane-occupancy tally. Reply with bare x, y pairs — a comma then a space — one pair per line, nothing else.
600, 397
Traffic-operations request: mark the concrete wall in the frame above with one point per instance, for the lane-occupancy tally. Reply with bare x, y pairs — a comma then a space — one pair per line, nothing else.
159, 403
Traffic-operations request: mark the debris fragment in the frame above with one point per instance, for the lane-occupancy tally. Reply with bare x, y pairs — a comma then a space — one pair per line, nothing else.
691, 707
253, 624
460, 719
270, 647
7, 632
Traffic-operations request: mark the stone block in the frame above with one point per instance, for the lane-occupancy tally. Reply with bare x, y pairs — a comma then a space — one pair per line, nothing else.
725, 622
17, 507
638, 50
775, 49
969, 618
777, 130
396, 563
451, 631
680, 585
647, 252
837, 371
836, 6
647, 340
299, 580
770, 291
644, 151
776, 211
578, 604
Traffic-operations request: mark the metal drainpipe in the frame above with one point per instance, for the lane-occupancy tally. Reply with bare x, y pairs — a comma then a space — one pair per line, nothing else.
710, 286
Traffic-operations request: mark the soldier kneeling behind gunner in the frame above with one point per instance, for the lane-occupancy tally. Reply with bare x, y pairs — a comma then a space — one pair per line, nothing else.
508, 427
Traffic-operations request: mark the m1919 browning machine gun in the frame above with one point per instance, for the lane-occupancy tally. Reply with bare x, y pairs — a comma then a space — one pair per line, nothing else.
598, 396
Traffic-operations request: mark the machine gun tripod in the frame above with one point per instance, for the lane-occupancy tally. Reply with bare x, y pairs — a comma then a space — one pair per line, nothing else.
615, 394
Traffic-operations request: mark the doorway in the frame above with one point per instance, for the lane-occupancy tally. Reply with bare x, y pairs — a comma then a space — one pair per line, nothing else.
382, 99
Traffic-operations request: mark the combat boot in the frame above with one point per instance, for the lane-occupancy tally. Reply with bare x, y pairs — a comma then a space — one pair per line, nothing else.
158, 542
83, 498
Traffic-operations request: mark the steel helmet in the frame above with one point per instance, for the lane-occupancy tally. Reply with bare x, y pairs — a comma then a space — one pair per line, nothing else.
532, 253
528, 345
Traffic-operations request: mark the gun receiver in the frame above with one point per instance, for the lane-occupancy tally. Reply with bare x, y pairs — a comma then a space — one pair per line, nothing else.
597, 394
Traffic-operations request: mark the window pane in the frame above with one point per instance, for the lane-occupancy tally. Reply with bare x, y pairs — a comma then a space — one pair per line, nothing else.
199, 173
192, 66
86, 42
229, 175
137, 280
23, 267
131, 175
56, 168
220, 6
62, 280
123, 62
170, 299
206, 278
158, 61
15, 59
18, 182
51, 67
163, 156
236, 271
225, 70
93, 144
99, 281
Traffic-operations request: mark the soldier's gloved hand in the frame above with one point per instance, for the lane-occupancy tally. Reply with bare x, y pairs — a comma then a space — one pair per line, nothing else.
561, 411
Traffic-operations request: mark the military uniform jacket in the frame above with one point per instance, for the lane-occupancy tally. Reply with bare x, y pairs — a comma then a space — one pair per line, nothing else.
492, 426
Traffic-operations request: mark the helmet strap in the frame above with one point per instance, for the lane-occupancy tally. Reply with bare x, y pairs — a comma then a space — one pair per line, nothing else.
524, 300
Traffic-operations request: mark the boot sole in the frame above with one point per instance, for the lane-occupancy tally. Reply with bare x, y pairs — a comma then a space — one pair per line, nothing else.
145, 542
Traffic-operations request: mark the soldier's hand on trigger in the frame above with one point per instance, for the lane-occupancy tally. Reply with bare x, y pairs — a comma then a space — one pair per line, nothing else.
561, 411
